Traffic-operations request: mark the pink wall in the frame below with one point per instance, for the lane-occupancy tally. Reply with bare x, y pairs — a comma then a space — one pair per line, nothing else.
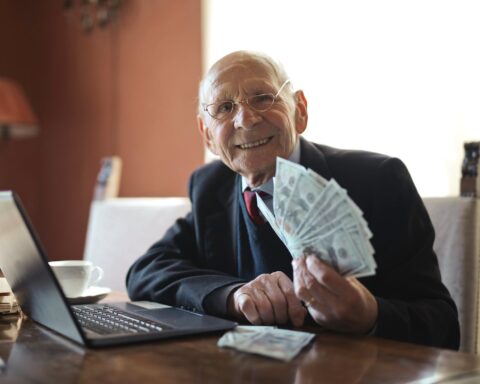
128, 90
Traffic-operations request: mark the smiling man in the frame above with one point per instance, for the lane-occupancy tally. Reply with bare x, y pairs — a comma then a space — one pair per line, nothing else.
223, 259
262, 128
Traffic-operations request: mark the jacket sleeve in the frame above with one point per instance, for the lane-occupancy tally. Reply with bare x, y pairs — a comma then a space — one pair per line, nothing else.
413, 303
175, 272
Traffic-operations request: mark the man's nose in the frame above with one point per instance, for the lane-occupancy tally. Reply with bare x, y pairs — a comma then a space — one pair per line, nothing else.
245, 116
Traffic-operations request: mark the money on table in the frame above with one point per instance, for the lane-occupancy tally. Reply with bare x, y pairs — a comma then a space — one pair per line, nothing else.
270, 341
312, 215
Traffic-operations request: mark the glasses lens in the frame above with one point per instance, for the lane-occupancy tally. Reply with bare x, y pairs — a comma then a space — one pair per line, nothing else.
262, 102
220, 110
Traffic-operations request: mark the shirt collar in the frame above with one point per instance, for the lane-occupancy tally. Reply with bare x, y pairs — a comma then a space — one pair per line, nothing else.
268, 186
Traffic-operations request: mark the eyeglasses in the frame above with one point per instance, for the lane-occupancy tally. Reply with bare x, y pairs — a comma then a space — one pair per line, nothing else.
260, 103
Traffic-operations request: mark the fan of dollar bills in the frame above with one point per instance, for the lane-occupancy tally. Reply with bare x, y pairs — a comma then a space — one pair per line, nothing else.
314, 216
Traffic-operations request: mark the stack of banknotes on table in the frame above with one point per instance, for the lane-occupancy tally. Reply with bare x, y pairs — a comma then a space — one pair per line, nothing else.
281, 344
314, 216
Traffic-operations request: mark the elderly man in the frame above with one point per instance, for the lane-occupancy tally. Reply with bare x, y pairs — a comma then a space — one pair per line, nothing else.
221, 261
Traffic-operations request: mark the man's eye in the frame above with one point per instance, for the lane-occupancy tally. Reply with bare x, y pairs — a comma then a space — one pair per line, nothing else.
261, 100
225, 107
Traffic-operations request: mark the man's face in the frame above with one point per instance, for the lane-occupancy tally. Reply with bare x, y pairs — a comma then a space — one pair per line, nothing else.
248, 141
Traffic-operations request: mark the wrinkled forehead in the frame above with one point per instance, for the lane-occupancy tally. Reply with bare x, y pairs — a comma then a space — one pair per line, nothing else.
233, 77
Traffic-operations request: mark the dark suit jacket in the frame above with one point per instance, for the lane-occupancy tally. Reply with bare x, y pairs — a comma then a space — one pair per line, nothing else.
197, 256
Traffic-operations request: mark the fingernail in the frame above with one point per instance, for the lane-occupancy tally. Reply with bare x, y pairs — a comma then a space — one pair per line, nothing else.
310, 260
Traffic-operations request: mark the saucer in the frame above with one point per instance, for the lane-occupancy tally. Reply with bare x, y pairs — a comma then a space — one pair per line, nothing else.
90, 296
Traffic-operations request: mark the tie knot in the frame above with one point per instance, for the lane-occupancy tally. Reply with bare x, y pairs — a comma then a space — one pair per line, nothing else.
250, 198
249, 192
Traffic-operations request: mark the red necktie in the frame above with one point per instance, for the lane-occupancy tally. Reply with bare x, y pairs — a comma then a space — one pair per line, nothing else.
250, 198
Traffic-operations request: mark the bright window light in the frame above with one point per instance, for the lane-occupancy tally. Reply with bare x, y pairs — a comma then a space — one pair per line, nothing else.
396, 77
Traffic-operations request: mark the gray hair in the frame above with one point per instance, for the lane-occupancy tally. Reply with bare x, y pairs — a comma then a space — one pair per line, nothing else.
240, 56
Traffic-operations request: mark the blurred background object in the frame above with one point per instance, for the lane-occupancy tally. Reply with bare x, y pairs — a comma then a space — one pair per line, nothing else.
93, 13
108, 179
17, 120
470, 182
8, 303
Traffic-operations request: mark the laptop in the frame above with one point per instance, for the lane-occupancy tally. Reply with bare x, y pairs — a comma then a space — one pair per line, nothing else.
24, 263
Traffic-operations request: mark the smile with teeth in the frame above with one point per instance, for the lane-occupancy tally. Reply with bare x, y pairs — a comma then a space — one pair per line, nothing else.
254, 144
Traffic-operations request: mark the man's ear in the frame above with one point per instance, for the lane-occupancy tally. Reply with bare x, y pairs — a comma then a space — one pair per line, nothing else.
301, 112
205, 133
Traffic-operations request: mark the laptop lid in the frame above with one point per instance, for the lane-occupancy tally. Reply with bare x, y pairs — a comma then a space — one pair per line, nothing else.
25, 265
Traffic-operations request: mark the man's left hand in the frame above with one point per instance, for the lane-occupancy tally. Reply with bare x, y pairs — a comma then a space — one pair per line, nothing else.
335, 302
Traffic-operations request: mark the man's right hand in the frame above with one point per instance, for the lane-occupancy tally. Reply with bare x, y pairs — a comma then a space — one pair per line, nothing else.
268, 299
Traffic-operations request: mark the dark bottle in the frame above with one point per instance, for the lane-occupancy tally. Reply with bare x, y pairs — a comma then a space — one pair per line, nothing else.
469, 185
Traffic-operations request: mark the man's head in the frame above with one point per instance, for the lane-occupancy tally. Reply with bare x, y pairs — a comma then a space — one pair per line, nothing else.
245, 136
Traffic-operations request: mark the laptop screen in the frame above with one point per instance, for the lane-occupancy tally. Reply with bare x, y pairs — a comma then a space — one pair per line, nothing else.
25, 265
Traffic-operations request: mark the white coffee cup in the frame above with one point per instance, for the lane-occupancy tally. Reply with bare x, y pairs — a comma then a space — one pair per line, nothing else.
75, 276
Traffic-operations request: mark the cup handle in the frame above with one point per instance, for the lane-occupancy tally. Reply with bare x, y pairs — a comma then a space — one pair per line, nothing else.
98, 271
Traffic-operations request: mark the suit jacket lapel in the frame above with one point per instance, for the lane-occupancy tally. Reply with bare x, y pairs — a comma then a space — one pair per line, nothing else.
229, 198
313, 158
221, 241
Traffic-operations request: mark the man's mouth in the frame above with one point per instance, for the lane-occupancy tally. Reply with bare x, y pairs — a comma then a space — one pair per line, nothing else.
254, 144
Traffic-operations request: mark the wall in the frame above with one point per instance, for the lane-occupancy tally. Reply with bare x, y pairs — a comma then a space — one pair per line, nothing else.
19, 41
128, 89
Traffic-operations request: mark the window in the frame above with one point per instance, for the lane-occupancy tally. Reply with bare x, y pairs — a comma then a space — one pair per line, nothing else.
396, 77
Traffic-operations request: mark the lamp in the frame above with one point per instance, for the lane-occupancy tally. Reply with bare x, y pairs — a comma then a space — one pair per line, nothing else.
17, 120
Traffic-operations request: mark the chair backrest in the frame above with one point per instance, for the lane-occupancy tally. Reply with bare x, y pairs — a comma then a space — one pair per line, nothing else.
120, 230
457, 231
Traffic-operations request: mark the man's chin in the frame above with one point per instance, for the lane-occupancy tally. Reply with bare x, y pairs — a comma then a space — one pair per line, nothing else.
257, 174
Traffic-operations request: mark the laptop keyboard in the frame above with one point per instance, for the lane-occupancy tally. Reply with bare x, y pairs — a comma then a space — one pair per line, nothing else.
107, 320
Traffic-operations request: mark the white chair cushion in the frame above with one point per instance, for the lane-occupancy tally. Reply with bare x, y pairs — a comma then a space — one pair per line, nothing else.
120, 230
456, 224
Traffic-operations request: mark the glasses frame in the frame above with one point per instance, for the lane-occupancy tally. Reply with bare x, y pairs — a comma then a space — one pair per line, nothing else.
245, 101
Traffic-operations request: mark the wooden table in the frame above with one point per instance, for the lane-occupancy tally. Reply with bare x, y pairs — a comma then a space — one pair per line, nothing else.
34, 354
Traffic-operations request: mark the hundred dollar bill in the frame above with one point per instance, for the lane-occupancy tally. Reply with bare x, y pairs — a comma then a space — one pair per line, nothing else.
286, 177
301, 204
313, 215
335, 248
276, 343
360, 258
322, 182
334, 200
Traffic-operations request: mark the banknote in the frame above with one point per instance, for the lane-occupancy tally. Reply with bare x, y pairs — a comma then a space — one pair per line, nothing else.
281, 344
312, 215
285, 182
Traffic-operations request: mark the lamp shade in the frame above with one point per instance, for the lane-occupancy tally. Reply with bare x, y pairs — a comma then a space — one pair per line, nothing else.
17, 119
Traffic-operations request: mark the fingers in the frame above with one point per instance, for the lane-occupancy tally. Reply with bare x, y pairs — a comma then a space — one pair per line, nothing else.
316, 297
246, 306
276, 297
300, 280
334, 301
307, 287
296, 312
269, 299
326, 276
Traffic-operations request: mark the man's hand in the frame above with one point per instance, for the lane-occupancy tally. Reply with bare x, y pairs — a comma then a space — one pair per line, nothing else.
335, 302
268, 299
